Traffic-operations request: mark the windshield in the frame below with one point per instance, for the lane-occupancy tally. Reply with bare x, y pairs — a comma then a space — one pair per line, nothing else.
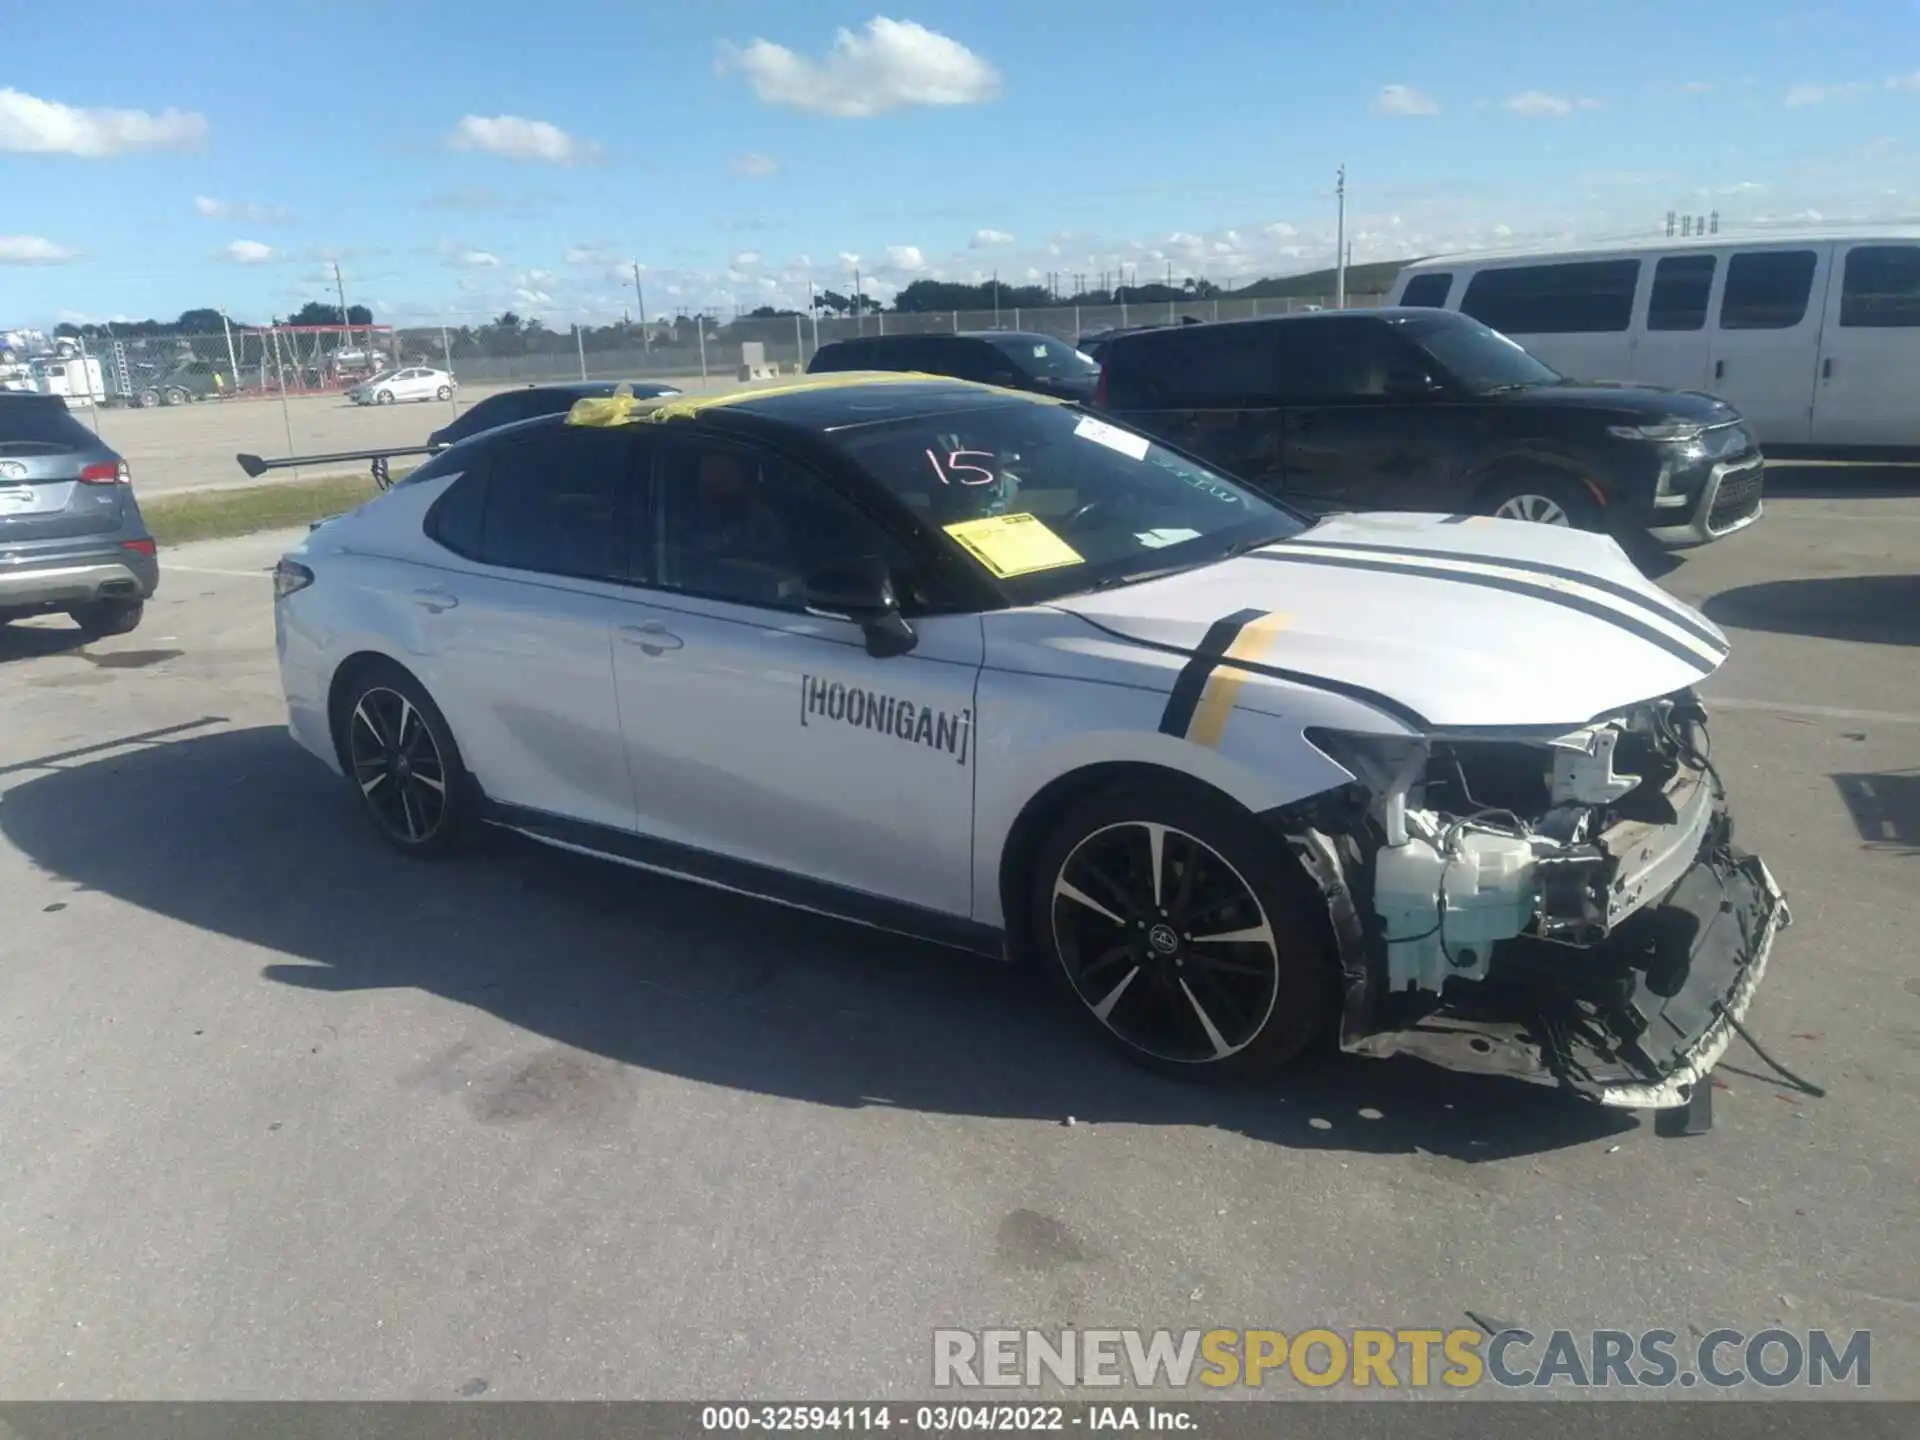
1481, 359
1045, 358
1051, 501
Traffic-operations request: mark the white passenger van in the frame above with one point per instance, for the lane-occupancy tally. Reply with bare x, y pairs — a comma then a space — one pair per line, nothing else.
1814, 337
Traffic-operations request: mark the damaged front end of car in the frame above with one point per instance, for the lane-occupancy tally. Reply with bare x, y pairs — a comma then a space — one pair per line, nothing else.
1568, 907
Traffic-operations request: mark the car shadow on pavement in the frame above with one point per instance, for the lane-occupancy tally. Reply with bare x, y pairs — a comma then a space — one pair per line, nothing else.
31, 642
241, 835
1885, 808
1876, 609
1789, 481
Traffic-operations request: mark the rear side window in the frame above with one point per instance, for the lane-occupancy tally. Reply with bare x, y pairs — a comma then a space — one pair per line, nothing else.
1199, 367
548, 505
1329, 361
37, 423
1579, 298
1681, 284
1767, 290
1881, 287
1428, 290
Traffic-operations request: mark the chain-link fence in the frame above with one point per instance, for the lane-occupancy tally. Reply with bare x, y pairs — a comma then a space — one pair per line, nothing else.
707, 347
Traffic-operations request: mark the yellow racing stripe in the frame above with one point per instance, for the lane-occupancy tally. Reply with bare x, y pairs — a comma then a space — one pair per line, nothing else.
1223, 685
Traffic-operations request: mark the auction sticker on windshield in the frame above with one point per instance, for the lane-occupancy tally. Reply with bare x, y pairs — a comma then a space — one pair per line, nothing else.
1010, 545
1134, 447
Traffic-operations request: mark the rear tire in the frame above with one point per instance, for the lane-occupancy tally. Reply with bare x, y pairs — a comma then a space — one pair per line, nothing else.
149, 399
402, 762
98, 619
176, 396
1544, 499
1149, 967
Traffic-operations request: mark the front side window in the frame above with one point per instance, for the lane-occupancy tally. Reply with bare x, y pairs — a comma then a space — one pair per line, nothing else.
1049, 501
1681, 284
1575, 298
553, 500
1880, 288
750, 528
1767, 290
1480, 359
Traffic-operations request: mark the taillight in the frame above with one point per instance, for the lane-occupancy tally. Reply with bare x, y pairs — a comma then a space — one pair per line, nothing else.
139, 547
289, 576
114, 473
1100, 391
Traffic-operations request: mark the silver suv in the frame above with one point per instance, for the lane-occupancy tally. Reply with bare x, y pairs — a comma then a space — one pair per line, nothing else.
71, 536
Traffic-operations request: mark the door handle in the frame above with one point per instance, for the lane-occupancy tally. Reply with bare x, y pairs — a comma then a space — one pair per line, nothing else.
1826, 368
652, 637
435, 599
1719, 369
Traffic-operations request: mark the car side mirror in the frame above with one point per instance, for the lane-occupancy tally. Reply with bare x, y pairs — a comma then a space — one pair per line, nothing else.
862, 593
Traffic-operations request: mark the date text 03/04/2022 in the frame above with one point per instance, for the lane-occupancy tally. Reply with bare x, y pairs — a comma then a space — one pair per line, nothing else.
945, 1418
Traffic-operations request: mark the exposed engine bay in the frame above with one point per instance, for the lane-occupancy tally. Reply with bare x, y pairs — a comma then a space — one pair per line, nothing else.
1568, 906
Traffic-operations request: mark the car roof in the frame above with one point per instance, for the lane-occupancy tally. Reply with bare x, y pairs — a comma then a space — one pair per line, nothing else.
906, 336
1849, 233
1133, 341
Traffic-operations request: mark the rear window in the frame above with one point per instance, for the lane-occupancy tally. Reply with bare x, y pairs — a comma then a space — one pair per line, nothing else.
843, 355
1767, 290
1881, 287
1428, 291
37, 422
1579, 298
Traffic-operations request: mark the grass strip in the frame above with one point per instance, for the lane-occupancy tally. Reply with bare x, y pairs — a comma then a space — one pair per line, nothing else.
280, 505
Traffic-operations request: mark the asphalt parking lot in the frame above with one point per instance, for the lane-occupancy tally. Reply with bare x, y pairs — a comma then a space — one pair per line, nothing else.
288, 1116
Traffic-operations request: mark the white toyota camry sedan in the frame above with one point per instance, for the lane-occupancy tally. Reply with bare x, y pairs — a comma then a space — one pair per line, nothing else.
984, 668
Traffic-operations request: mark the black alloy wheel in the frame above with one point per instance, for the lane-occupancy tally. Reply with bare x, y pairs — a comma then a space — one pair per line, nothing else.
1182, 939
397, 761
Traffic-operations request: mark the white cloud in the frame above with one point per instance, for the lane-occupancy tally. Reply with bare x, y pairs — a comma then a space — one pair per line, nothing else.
746, 259
477, 259
891, 65
520, 139
238, 210
906, 257
754, 165
1697, 87
1803, 95
1910, 81
1404, 100
848, 259
1538, 102
32, 250
46, 127
588, 255
982, 239
527, 299
1587, 102
537, 277
248, 252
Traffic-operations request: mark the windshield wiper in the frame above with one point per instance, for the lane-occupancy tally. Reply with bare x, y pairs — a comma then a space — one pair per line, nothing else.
1513, 385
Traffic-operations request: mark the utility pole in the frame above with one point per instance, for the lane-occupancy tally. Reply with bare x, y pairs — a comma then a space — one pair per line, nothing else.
996, 299
1340, 243
641, 300
340, 289
232, 364
859, 314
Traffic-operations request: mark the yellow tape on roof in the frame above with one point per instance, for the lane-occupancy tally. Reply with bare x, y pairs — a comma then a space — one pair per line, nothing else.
621, 408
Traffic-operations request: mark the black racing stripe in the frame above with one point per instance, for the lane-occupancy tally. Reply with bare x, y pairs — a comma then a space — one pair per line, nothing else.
1192, 681
1457, 519
1591, 608
1649, 603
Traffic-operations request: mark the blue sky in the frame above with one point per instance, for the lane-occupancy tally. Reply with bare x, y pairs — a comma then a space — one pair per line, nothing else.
460, 159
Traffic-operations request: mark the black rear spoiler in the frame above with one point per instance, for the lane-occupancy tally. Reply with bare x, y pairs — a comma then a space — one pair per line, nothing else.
255, 466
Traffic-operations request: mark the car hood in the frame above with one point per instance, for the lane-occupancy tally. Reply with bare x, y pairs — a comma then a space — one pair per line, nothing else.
1643, 402
1467, 622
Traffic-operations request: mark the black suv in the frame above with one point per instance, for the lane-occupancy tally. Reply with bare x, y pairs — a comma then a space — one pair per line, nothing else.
1013, 359
1429, 410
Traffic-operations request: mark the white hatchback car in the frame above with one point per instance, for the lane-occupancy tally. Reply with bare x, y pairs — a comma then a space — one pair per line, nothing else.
412, 382
982, 667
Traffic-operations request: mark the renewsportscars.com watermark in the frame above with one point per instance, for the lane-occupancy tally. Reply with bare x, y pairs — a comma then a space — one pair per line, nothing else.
1399, 1359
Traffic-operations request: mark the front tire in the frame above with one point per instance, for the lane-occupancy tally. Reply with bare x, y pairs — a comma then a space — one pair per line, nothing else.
400, 757
98, 619
176, 397
1544, 499
445, 392
1183, 932
385, 397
